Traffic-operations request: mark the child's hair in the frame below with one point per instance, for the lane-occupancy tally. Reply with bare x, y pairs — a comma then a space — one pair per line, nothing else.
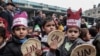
93, 31
48, 19
83, 32
98, 26
13, 28
3, 32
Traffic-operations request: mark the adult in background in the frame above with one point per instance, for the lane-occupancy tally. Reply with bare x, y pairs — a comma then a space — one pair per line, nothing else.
8, 14
38, 18
83, 23
96, 42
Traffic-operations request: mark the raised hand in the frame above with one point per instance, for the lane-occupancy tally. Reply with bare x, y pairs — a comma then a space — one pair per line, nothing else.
53, 45
29, 51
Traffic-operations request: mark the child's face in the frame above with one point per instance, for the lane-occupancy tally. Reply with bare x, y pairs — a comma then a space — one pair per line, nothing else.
88, 36
73, 33
49, 26
21, 31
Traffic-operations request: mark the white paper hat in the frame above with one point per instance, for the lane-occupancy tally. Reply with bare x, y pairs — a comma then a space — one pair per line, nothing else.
74, 18
20, 19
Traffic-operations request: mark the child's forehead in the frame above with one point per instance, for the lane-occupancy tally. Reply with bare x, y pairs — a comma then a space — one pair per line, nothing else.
73, 28
20, 26
50, 22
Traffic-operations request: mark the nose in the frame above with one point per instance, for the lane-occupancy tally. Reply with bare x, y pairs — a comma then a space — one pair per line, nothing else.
21, 31
73, 33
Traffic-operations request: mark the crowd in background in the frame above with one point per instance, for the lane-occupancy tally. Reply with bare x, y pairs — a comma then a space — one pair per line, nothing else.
13, 36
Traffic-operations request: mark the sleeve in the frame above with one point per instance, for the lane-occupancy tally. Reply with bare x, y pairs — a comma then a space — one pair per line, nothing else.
8, 52
52, 53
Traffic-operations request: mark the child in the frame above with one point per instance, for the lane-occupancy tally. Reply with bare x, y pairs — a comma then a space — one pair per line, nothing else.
85, 36
2, 40
20, 32
48, 26
73, 32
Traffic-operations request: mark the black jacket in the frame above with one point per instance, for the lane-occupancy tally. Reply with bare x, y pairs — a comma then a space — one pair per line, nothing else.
13, 48
96, 43
1, 51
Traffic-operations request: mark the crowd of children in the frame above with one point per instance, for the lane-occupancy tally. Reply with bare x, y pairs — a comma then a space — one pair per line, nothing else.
10, 42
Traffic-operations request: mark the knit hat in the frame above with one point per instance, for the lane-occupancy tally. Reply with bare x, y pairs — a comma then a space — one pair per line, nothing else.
74, 18
20, 19
12, 4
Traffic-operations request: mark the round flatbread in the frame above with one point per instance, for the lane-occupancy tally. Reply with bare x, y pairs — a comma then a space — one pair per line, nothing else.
58, 35
30, 45
84, 50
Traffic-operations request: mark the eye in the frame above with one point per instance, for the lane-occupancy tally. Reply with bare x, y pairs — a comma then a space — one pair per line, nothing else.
23, 28
17, 29
48, 25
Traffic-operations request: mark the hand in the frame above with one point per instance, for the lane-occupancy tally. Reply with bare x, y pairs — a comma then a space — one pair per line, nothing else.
38, 52
53, 45
28, 52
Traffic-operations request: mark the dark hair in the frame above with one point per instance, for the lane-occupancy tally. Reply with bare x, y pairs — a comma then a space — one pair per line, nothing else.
3, 32
98, 26
38, 12
48, 19
83, 32
93, 31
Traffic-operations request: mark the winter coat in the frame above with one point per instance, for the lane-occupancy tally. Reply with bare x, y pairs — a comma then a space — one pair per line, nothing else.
2, 48
64, 51
13, 47
96, 43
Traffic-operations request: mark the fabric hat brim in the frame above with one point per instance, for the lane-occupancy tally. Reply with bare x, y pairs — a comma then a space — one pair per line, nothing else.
30, 43
10, 4
58, 35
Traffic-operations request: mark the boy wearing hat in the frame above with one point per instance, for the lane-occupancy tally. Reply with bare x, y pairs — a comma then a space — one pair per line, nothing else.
73, 32
20, 35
